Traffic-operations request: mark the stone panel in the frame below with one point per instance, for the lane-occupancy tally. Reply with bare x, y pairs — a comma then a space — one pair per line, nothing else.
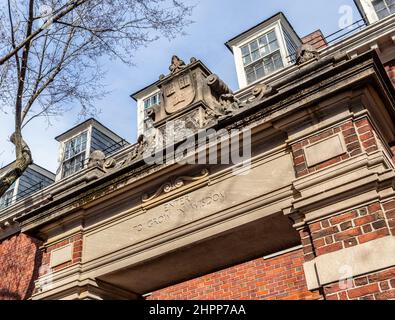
188, 208
61, 255
325, 150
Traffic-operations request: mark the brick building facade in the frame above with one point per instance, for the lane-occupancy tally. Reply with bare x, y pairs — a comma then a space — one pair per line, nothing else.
311, 218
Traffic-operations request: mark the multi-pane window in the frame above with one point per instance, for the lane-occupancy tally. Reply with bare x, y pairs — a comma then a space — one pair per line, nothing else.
152, 101
6, 199
74, 154
384, 8
261, 56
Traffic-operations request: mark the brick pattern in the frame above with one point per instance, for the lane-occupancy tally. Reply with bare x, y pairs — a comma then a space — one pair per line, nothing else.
316, 39
373, 286
389, 209
349, 229
390, 68
278, 278
76, 240
20, 260
359, 136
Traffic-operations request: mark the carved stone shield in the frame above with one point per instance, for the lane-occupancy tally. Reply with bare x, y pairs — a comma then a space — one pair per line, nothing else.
178, 93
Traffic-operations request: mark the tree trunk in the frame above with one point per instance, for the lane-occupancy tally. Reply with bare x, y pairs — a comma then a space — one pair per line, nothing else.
18, 167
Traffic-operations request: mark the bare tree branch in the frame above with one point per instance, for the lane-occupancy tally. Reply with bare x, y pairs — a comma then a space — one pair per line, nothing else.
50, 61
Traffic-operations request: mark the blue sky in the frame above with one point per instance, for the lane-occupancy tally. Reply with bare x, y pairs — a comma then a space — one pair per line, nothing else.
215, 22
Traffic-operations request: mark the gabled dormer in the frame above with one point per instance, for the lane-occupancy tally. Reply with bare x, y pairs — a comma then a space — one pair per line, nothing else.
264, 49
375, 10
77, 144
34, 179
146, 100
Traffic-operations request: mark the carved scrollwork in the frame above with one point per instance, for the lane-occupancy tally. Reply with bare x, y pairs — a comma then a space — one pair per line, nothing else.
226, 98
174, 185
261, 91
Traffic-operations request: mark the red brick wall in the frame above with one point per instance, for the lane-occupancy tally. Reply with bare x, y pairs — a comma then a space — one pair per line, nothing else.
358, 136
349, 229
76, 240
20, 260
390, 68
373, 286
316, 39
278, 278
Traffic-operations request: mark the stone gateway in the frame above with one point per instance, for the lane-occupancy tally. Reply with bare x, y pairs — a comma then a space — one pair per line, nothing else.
309, 215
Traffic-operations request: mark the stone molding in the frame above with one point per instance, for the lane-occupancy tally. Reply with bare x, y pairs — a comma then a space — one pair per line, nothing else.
362, 259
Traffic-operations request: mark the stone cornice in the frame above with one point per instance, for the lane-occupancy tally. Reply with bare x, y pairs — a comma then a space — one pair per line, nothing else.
322, 79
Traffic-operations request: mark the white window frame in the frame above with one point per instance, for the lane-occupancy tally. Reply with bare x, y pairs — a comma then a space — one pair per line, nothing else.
369, 10
386, 8
261, 58
87, 150
241, 74
12, 199
156, 94
141, 110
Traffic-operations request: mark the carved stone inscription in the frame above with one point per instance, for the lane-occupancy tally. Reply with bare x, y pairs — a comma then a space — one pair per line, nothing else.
184, 208
188, 208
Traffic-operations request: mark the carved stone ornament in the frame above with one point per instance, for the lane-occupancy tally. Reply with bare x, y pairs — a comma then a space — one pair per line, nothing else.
261, 91
138, 150
174, 185
179, 92
98, 159
306, 52
226, 98
176, 64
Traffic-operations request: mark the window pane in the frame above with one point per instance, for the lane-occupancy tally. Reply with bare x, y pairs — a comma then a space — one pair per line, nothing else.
391, 5
259, 71
378, 5
152, 100
382, 13
247, 59
381, 8
265, 50
250, 74
255, 55
245, 50
269, 66
274, 46
278, 63
254, 45
272, 36
262, 41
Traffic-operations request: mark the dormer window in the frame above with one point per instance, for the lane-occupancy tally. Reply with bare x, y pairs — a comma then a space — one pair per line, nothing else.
375, 10
33, 179
261, 56
152, 101
74, 154
6, 199
384, 8
77, 144
264, 49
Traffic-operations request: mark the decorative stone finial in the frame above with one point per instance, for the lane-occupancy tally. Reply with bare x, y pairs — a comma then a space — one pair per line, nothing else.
176, 64
306, 52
